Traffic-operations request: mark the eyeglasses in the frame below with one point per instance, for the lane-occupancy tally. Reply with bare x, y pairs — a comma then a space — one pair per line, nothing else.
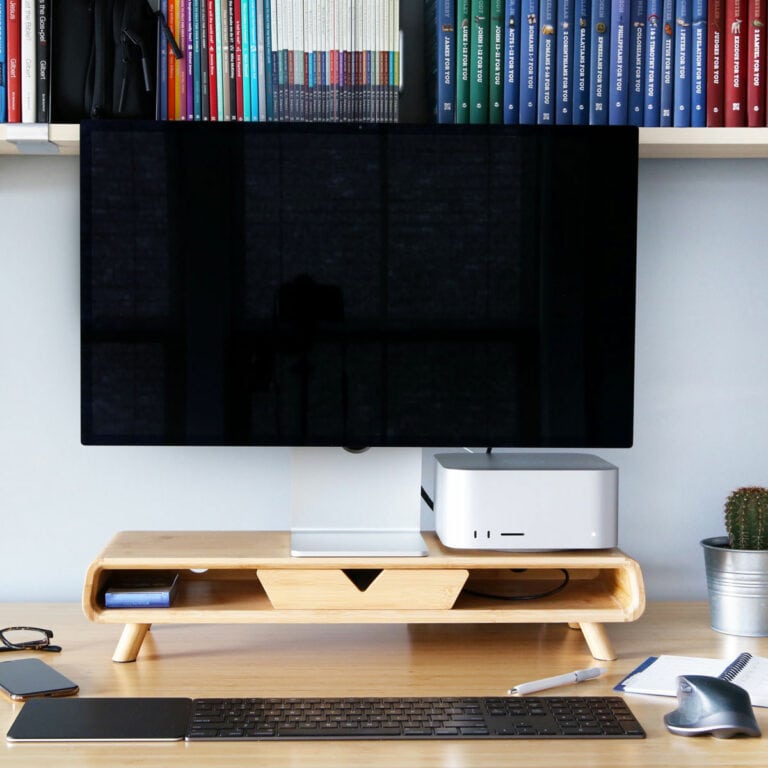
27, 639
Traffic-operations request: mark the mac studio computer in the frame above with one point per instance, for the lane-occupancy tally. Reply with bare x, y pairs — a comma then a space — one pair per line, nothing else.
362, 292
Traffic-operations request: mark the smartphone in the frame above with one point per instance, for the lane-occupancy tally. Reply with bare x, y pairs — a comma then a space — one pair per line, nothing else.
21, 679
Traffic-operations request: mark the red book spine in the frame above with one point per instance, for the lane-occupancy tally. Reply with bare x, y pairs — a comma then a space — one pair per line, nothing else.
13, 54
735, 64
715, 45
240, 109
213, 92
756, 18
334, 100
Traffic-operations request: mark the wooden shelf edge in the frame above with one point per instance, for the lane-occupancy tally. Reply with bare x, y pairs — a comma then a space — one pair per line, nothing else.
655, 143
164, 616
703, 143
246, 550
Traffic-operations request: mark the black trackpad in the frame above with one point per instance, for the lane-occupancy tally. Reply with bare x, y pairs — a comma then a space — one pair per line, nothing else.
79, 719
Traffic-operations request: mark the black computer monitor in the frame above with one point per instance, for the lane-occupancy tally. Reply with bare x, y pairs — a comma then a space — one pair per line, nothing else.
357, 286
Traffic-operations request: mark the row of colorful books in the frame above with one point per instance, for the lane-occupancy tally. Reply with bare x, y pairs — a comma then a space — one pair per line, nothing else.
648, 63
24, 61
326, 60
329, 60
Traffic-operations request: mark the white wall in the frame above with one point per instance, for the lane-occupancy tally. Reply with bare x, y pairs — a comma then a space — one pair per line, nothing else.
701, 396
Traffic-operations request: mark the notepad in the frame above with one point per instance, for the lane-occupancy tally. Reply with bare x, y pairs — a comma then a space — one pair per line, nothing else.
658, 674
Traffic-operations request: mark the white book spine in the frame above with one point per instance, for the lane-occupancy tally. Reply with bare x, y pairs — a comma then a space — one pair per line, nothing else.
28, 63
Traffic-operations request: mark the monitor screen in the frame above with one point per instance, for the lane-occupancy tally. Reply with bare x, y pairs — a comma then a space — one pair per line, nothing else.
357, 285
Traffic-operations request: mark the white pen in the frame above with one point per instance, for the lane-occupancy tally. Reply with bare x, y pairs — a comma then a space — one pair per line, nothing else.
553, 682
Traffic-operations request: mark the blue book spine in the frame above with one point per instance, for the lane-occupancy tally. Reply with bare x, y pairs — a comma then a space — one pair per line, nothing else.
512, 62
547, 61
269, 106
618, 97
654, 34
245, 52
529, 62
667, 63
699, 65
682, 83
463, 41
254, 59
496, 69
636, 59
197, 52
564, 77
582, 13
599, 61
3, 64
446, 60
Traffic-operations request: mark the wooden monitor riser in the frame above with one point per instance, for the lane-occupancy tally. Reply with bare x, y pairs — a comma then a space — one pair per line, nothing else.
233, 577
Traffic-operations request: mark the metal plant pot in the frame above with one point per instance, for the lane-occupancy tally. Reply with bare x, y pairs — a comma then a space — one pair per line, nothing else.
737, 581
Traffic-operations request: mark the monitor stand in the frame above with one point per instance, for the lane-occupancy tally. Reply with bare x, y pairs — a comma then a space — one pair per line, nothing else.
356, 504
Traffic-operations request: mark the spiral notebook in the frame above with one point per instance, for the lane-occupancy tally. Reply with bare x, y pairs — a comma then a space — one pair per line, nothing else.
658, 675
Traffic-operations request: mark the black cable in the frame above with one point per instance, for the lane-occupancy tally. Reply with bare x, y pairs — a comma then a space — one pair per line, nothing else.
548, 593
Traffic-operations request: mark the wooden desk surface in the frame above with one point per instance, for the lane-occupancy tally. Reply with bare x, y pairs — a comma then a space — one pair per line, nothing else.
378, 660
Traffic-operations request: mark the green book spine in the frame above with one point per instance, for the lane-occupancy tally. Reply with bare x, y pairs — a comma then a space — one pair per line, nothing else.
479, 62
496, 68
464, 35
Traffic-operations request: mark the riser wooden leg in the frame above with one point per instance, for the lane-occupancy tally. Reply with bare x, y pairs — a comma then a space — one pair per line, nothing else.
598, 641
130, 642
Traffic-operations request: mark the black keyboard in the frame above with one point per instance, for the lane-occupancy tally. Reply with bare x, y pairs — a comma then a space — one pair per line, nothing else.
541, 717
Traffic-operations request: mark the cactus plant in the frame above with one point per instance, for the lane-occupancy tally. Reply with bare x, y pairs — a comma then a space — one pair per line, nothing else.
746, 518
